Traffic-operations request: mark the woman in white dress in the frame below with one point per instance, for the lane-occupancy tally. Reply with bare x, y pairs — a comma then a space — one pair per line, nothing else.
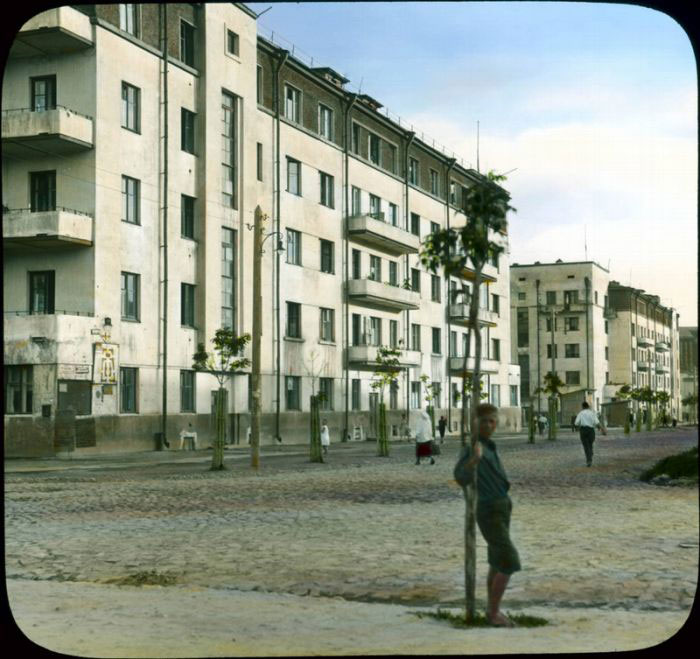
325, 436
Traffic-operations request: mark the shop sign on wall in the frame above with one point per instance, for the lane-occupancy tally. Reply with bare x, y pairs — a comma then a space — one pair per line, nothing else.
74, 372
106, 363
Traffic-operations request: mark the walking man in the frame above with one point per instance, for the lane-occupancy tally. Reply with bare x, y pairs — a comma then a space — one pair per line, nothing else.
442, 426
493, 509
587, 421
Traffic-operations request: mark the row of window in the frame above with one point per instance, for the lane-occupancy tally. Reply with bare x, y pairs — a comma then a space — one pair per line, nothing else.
569, 297
326, 183
645, 332
571, 324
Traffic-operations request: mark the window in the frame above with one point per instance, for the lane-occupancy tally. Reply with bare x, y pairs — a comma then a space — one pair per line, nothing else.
390, 163
453, 193
434, 227
415, 224
394, 396
375, 268
514, 395
131, 200
228, 150
551, 297
606, 326
523, 329
524, 363
187, 216
374, 150
415, 395
521, 297
327, 190
327, 325
393, 333
293, 247
186, 43
435, 288
495, 397
357, 338
413, 171
187, 305
259, 161
356, 263
606, 353
131, 107
493, 259
325, 388
415, 337
75, 394
232, 43
43, 191
129, 19
571, 323
549, 351
455, 394
437, 394
228, 277
571, 350
434, 183
453, 345
19, 381
131, 284
187, 130
356, 205
437, 348
292, 103
393, 273
375, 331
573, 377
325, 121
464, 198
570, 297
293, 176
41, 292
128, 390
355, 394
259, 84
495, 304
43, 93
293, 320
595, 297
327, 256
187, 397
415, 280
293, 388
375, 207
496, 349
393, 214
548, 324
355, 146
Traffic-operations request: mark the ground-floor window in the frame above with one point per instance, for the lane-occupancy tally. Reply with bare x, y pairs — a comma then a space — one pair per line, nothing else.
75, 395
325, 388
293, 390
496, 395
128, 390
18, 389
187, 391
513, 395
355, 394
415, 395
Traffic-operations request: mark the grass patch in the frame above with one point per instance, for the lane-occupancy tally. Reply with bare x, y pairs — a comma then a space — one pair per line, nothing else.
681, 465
458, 619
145, 578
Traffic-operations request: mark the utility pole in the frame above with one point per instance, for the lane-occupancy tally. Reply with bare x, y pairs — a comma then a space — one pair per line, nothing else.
257, 336
553, 399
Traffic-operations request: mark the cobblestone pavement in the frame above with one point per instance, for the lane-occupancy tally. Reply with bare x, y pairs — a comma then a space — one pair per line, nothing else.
361, 527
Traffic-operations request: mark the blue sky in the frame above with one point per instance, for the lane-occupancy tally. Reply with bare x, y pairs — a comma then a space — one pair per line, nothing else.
593, 105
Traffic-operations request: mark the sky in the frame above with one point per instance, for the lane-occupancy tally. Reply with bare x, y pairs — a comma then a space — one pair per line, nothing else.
591, 108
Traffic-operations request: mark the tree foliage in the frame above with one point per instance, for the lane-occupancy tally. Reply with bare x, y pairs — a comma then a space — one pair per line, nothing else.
386, 374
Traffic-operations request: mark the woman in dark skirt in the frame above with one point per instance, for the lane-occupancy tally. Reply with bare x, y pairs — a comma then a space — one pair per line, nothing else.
424, 437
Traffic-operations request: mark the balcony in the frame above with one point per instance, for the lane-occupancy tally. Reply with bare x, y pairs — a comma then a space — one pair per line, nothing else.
662, 368
644, 342
489, 273
609, 313
62, 228
642, 365
371, 230
61, 337
663, 346
459, 313
54, 32
365, 356
58, 131
487, 365
377, 294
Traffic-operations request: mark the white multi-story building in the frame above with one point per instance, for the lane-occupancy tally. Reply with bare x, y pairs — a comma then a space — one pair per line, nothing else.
688, 361
137, 142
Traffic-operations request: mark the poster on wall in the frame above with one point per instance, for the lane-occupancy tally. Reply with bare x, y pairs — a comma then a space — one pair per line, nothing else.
106, 363
74, 372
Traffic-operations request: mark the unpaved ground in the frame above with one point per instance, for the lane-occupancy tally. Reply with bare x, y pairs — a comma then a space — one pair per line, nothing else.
610, 561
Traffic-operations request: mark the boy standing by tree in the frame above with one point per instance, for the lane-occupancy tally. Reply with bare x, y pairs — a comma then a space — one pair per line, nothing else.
493, 509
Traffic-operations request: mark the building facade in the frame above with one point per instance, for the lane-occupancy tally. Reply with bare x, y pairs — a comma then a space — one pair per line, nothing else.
688, 360
137, 142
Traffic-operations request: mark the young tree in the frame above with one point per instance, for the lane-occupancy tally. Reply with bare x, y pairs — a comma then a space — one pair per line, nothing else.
485, 206
625, 392
646, 395
662, 398
552, 386
386, 374
223, 362
691, 400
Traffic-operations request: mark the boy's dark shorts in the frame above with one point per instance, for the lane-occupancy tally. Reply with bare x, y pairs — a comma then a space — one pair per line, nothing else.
493, 518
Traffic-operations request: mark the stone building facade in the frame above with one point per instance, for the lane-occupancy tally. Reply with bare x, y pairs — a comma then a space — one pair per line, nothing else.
688, 342
137, 142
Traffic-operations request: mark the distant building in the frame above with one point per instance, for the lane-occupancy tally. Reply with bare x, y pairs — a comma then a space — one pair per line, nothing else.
688, 340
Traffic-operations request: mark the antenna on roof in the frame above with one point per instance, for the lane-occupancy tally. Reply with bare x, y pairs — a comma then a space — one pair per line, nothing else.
477, 146
263, 11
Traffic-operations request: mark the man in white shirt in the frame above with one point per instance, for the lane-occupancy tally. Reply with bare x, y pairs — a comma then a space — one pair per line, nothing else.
587, 421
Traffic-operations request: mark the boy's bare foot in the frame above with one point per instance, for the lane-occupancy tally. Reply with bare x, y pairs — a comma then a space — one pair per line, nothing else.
499, 620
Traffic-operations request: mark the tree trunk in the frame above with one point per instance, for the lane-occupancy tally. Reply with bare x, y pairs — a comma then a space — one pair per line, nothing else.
382, 439
315, 452
217, 458
552, 417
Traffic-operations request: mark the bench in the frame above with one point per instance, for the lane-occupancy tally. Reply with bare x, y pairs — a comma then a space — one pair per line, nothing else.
190, 437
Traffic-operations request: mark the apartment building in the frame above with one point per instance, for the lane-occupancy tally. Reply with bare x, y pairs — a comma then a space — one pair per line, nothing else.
595, 334
688, 363
137, 142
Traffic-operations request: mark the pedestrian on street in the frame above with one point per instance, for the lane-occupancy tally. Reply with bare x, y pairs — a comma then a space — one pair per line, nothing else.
573, 422
442, 426
541, 423
587, 421
493, 509
424, 438
325, 436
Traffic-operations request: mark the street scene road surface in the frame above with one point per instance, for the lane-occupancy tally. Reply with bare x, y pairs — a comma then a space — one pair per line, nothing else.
152, 555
